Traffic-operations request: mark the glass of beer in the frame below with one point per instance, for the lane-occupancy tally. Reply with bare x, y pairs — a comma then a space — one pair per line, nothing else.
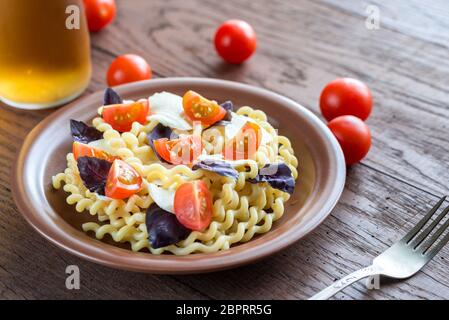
44, 52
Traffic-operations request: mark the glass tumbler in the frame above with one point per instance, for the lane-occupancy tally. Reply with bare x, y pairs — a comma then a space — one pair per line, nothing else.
44, 52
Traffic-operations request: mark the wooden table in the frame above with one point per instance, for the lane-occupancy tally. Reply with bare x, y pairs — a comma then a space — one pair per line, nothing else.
302, 46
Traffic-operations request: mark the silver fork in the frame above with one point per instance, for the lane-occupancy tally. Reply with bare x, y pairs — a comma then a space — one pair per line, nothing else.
404, 258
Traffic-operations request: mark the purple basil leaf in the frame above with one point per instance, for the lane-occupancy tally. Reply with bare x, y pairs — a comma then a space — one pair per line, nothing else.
278, 175
111, 97
227, 105
81, 132
94, 173
225, 121
163, 227
228, 116
220, 167
159, 132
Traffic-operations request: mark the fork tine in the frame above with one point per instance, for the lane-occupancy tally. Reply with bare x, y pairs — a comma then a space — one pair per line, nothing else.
442, 242
415, 243
428, 244
412, 233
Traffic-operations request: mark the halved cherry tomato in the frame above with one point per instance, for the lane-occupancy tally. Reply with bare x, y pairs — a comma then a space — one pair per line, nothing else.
245, 144
179, 151
193, 205
83, 150
198, 108
122, 116
123, 180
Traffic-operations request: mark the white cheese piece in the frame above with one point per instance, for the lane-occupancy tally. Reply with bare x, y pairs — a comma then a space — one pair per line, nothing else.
210, 157
103, 198
167, 109
164, 198
171, 121
237, 123
266, 137
102, 145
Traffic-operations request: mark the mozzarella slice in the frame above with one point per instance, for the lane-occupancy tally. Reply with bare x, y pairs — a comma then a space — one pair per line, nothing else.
164, 198
266, 136
103, 198
210, 157
102, 145
166, 108
238, 122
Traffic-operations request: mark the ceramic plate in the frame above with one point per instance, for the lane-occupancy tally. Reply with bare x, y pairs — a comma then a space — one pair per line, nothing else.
321, 179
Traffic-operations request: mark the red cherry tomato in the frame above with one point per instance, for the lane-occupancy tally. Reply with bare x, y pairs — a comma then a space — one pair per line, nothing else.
353, 135
184, 150
83, 150
198, 108
123, 181
193, 205
99, 13
122, 116
235, 41
128, 68
245, 144
346, 96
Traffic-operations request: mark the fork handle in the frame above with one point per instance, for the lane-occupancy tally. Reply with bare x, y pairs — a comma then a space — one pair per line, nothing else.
344, 282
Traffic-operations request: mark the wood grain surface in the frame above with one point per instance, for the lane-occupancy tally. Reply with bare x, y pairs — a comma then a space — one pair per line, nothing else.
301, 46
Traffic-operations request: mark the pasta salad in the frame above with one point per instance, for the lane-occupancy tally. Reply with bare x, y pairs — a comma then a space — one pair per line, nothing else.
179, 175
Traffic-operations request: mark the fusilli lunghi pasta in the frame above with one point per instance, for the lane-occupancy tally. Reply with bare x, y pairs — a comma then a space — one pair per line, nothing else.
241, 209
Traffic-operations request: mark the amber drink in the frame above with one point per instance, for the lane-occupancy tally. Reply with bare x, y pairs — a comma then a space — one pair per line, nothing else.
44, 52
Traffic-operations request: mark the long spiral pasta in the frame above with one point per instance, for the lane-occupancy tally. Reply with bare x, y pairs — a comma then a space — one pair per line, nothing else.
241, 209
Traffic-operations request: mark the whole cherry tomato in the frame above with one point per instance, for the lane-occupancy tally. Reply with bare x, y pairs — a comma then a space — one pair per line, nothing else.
128, 68
346, 96
99, 13
353, 135
235, 41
